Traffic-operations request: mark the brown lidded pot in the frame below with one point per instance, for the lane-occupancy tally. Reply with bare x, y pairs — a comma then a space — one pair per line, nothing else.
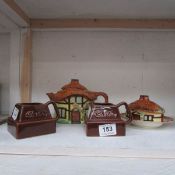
32, 119
106, 119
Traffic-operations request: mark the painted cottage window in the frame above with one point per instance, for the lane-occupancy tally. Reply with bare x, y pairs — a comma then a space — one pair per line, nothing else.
62, 112
148, 117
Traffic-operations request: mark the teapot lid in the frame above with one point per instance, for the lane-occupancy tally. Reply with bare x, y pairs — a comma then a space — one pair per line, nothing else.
144, 104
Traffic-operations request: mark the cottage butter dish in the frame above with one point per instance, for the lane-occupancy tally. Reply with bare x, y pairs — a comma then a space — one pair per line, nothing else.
105, 119
147, 113
32, 119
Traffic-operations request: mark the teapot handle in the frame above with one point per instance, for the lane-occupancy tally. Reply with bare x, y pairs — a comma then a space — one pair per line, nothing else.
55, 107
128, 112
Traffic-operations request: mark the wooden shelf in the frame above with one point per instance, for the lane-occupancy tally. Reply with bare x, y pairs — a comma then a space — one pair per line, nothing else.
71, 140
69, 151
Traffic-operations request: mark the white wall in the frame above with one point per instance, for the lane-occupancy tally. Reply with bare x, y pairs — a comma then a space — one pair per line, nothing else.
4, 72
122, 64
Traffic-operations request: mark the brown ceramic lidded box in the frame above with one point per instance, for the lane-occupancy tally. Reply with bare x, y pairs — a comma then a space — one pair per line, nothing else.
105, 119
32, 119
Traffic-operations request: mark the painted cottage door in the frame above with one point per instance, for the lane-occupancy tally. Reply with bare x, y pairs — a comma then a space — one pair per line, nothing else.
75, 116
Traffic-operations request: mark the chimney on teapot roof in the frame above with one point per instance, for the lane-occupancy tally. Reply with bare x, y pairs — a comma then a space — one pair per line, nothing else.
74, 84
75, 80
144, 97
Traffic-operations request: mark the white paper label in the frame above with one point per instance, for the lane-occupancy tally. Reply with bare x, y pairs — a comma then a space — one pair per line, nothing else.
107, 130
15, 113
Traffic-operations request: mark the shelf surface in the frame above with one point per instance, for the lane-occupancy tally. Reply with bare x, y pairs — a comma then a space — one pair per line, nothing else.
70, 152
71, 140
66, 165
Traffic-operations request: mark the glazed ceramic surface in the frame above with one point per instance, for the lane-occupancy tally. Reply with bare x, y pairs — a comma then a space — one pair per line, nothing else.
148, 124
32, 119
147, 113
73, 102
105, 119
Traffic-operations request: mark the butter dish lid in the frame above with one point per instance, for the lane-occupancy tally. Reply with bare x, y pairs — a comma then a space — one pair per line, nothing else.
146, 105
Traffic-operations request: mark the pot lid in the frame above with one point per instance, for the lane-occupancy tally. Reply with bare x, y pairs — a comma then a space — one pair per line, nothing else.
146, 105
74, 88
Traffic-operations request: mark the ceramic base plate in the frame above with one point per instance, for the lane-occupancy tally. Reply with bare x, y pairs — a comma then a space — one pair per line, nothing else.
149, 124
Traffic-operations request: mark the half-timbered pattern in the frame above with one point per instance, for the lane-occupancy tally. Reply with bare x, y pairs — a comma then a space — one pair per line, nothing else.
73, 101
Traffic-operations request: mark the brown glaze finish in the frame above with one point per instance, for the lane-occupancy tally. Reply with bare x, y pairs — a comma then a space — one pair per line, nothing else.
145, 104
75, 88
32, 119
75, 117
107, 113
92, 128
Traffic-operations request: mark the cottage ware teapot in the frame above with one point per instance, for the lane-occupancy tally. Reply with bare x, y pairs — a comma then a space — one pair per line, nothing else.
106, 119
32, 119
73, 101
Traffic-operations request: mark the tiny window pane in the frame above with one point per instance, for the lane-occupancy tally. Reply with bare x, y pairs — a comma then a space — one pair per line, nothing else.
150, 118
79, 100
145, 118
84, 100
63, 113
59, 111
72, 99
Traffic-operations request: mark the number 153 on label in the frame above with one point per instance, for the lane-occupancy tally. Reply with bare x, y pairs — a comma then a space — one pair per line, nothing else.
107, 130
